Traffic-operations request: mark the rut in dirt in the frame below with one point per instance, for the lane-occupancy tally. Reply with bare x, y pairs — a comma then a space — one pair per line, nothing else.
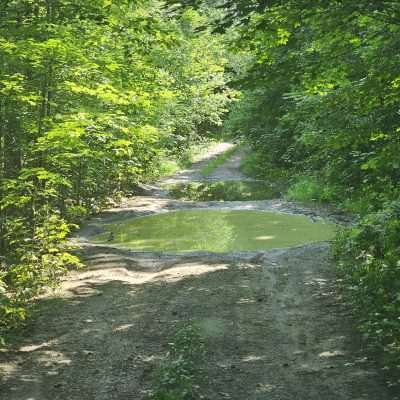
273, 323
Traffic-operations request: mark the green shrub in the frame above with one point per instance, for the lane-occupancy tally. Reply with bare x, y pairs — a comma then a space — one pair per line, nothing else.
368, 256
32, 267
174, 379
253, 165
225, 191
309, 188
256, 165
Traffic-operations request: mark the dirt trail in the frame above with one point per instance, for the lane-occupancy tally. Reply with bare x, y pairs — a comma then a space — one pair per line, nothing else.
274, 324
193, 173
229, 171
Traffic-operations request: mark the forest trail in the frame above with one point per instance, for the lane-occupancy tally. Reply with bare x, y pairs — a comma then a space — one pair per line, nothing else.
194, 172
274, 324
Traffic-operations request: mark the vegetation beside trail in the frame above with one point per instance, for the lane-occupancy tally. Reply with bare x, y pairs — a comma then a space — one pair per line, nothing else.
320, 105
176, 377
225, 191
95, 97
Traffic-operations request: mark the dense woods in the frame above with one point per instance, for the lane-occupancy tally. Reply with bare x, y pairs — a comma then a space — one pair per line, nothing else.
96, 94
320, 106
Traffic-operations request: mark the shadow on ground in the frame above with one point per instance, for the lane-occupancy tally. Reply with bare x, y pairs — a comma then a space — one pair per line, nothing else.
274, 328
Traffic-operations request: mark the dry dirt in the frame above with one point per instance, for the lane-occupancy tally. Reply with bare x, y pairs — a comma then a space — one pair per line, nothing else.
274, 323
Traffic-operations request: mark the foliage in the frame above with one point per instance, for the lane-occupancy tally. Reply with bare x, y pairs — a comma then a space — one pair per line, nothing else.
369, 262
32, 263
225, 191
309, 188
319, 93
254, 164
174, 380
320, 100
93, 96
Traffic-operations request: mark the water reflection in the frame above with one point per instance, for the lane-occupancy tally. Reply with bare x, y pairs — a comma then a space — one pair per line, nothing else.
225, 190
216, 231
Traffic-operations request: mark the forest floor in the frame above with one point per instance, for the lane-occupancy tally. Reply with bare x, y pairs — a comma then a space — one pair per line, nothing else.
273, 322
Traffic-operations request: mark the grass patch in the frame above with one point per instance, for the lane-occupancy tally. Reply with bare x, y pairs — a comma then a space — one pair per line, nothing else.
218, 161
225, 191
195, 153
176, 377
309, 188
170, 165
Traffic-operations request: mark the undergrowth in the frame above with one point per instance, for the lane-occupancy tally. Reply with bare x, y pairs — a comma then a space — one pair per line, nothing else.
256, 166
367, 253
225, 191
308, 188
368, 257
176, 377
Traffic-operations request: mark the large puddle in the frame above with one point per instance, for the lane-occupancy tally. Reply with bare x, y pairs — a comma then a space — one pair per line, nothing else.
215, 231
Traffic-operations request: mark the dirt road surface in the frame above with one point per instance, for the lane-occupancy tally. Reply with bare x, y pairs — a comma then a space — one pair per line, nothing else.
274, 323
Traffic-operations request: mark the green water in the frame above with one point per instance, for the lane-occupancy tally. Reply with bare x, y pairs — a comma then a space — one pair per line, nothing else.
215, 231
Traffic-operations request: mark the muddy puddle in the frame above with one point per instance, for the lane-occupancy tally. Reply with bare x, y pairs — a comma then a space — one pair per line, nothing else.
215, 231
224, 191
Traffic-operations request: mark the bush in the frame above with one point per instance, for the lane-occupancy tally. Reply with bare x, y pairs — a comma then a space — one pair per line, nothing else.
368, 255
174, 379
29, 269
310, 188
255, 164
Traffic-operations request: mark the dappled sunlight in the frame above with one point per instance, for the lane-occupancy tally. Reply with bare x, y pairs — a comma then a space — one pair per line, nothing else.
8, 369
152, 358
125, 323
245, 266
266, 387
73, 341
123, 327
47, 355
34, 347
318, 283
50, 358
84, 283
245, 300
190, 269
252, 358
332, 353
